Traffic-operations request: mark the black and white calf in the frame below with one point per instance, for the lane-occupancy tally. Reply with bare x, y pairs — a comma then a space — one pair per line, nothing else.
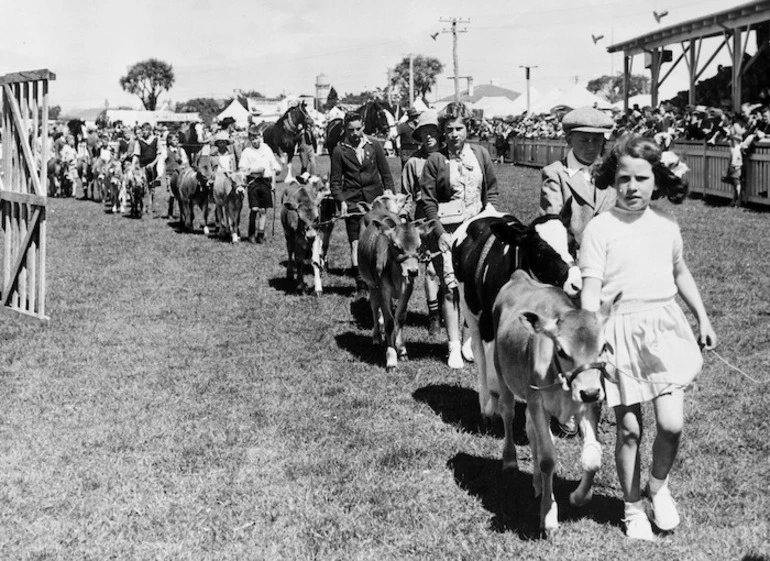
485, 253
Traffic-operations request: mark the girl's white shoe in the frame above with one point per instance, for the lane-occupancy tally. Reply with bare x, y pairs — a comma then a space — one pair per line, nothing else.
664, 512
638, 527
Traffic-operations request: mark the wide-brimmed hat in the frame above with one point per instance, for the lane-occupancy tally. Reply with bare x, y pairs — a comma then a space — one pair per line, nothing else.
412, 113
586, 119
428, 118
221, 136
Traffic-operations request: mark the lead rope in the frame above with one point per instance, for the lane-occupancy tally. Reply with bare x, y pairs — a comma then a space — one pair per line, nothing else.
738, 370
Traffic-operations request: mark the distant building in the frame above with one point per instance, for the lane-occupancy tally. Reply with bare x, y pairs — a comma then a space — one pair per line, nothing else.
134, 117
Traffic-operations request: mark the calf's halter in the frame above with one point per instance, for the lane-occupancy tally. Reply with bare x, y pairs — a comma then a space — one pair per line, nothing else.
566, 379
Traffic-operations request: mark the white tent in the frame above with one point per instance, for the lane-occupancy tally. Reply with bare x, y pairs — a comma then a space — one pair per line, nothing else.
519, 105
505, 107
545, 102
578, 96
487, 103
237, 112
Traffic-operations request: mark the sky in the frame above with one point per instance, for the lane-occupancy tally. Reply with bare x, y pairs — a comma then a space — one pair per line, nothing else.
218, 46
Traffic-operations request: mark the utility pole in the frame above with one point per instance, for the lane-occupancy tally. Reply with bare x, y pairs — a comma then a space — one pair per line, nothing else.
526, 74
454, 31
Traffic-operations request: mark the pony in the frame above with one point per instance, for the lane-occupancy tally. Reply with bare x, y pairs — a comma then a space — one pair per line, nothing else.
135, 185
228, 192
282, 136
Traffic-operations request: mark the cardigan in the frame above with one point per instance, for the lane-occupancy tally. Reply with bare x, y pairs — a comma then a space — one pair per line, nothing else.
435, 187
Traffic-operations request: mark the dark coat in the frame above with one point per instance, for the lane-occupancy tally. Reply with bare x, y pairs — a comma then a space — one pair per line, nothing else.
353, 182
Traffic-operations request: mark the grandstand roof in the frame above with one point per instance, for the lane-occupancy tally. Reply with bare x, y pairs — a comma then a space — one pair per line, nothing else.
707, 26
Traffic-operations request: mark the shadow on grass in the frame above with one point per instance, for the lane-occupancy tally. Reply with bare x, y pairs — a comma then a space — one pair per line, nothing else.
755, 557
361, 347
362, 314
510, 498
459, 406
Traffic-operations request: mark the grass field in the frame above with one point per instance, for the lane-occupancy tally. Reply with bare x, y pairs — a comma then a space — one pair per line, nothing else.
182, 405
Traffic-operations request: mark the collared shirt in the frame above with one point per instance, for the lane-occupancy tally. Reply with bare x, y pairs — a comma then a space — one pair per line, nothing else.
359, 150
262, 157
574, 167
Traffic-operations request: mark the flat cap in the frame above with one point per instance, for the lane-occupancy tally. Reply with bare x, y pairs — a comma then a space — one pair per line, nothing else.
586, 119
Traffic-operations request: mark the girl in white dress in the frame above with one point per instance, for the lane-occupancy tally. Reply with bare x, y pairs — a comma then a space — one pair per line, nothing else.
637, 249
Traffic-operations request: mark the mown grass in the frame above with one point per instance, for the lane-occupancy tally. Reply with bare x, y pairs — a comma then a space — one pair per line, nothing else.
182, 405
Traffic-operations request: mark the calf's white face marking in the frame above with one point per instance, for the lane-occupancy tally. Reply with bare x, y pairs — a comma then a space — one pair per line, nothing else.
554, 233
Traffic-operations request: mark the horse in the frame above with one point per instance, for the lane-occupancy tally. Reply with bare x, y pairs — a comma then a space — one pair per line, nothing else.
190, 141
282, 136
76, 128
378, 121
334, 132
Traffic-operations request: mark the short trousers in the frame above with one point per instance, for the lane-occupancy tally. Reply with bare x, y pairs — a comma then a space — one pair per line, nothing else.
260, 193
353, 226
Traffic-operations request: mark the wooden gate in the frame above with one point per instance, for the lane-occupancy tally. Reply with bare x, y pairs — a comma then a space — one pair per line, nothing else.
23, 192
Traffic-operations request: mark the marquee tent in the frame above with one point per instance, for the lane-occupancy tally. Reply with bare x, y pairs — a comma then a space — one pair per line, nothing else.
237, 112
519, 105
577, 96
544, 103
498, 106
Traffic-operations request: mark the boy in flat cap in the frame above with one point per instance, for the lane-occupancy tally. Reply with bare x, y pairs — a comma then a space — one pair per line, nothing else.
569, 181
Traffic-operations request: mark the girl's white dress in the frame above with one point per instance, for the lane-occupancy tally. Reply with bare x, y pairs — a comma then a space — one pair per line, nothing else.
653, 346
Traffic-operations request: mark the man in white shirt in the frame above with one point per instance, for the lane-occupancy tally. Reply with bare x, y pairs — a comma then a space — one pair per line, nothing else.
261, 167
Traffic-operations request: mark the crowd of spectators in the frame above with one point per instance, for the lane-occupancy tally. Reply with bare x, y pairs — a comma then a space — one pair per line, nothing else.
664, 124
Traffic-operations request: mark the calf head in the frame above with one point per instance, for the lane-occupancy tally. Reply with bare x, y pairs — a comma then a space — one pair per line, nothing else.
403, 243
577, 342
549, 250
304, 206
388, 202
